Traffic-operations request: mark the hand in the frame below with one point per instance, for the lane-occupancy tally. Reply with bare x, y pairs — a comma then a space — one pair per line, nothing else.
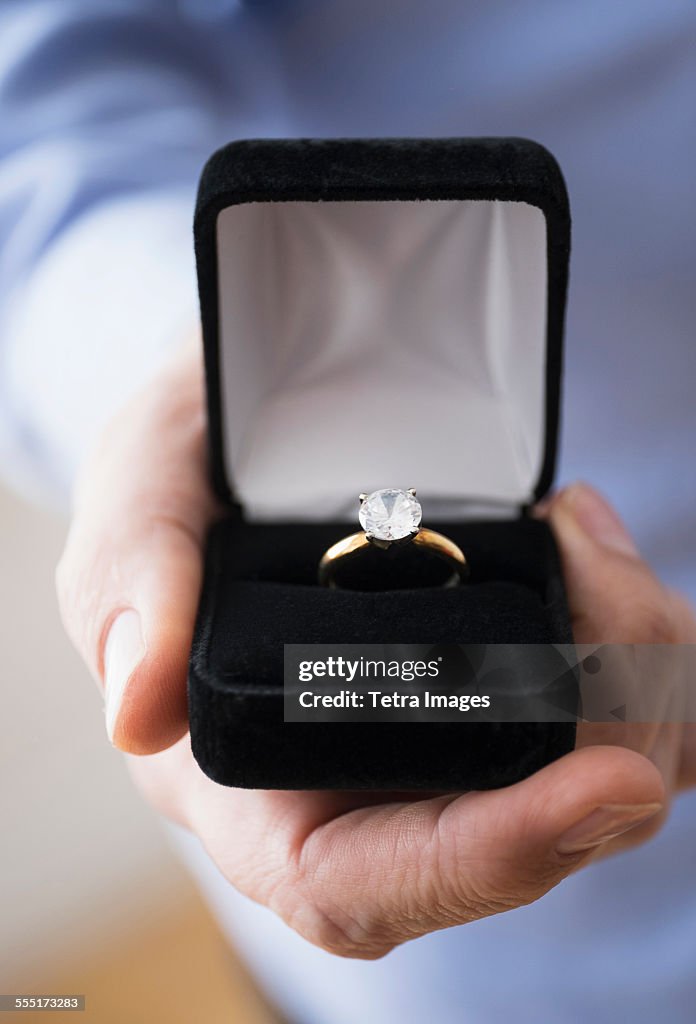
355, 873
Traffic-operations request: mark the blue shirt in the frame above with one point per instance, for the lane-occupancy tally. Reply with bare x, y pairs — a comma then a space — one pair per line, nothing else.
107, 111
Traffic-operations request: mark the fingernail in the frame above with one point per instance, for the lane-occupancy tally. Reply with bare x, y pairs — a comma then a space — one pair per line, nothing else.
603, 824
597, 518
123, 653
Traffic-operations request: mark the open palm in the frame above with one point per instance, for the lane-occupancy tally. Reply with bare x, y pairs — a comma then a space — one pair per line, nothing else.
356, 873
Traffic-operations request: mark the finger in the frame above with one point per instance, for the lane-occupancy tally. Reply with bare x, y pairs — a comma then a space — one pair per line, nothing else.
130, 575
615, 598
613, 595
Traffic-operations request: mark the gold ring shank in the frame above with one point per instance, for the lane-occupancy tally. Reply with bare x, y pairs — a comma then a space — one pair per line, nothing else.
436, 543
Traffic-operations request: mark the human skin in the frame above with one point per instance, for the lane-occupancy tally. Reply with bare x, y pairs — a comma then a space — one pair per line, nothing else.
355, 873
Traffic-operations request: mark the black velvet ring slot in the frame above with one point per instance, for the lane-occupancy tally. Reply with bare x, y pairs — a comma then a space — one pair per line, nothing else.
260, 586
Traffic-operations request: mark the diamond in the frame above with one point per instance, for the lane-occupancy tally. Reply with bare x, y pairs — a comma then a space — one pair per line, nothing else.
390, 514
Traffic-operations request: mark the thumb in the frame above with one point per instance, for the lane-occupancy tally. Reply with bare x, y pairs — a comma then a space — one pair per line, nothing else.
129, 578
408, 869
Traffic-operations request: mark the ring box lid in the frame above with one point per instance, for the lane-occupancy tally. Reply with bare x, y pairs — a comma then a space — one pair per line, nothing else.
382, 312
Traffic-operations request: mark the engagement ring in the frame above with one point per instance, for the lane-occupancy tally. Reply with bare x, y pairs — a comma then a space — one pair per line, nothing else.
391, 518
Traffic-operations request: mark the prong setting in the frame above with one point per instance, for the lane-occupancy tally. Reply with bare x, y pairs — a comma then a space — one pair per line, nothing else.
377, 543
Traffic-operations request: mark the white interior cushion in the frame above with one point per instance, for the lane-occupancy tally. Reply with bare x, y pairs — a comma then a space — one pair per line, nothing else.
382, 344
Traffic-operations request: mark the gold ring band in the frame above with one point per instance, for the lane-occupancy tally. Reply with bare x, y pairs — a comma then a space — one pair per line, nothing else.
391, 518
436, 543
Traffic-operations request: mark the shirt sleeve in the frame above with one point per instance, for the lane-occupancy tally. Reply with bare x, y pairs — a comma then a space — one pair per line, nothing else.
108, 112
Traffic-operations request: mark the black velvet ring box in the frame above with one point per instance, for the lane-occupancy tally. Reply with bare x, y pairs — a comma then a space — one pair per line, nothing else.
376, 313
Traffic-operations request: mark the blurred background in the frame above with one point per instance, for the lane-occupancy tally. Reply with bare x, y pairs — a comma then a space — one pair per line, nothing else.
93, 899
